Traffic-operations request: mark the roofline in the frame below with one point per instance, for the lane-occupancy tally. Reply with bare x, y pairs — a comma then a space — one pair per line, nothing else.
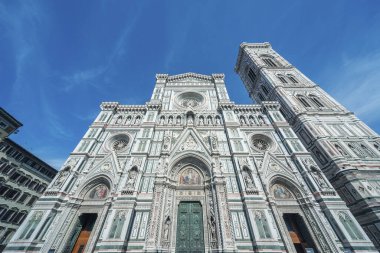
31, 155
248, 45
10, 117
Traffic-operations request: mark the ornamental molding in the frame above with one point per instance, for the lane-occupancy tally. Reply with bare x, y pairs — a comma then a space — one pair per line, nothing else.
271, 167
189, 75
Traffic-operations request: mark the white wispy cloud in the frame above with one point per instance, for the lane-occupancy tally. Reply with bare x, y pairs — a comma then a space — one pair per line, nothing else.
95, 76
357, 85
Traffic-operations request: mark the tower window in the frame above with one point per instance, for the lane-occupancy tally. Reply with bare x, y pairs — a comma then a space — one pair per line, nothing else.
292, 79
269, 62
303, 101
252, 75
264, 90
316, 101
261, 97
282, 79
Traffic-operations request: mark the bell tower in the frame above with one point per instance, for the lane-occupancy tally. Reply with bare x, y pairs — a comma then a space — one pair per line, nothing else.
347, 150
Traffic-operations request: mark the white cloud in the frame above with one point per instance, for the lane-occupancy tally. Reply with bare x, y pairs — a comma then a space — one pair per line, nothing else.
357, 85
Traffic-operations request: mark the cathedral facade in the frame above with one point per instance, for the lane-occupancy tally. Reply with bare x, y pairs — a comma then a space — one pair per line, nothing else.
191, 171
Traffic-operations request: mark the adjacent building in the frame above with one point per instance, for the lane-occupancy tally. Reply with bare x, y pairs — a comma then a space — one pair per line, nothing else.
23, 179
191, 171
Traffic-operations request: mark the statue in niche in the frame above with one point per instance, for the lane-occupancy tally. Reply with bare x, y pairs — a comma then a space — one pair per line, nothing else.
218, 121
178, 120
201, 121
129, 119
190, 119
118, 120
242, 120
209, 121
248, 181
214, 142
167, 228
251, 121
318, 177
162, 120
137, 121
170, 120
131, 179
212, 226
190, 177
261, 120
280, 192
62, 176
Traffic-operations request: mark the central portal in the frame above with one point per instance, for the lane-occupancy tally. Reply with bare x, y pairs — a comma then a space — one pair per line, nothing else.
190, 228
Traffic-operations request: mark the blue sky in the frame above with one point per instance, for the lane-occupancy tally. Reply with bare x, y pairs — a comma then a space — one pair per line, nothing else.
61, 59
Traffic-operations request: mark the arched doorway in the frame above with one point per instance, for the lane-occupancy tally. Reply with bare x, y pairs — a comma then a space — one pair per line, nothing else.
297, 233
94, 196
189, 215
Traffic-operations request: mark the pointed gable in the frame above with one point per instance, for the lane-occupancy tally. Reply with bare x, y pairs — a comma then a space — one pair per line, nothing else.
190, 140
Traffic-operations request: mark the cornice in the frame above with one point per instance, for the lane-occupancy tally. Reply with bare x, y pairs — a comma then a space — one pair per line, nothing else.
190, 75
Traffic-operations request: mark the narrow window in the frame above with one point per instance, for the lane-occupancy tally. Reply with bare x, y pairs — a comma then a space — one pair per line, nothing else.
316, 101
292, 79
303, 101
264, 89
251, 75
282, 79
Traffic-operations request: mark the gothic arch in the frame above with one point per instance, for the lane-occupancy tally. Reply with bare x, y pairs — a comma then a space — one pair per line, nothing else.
196, 160
90, 184
289, 183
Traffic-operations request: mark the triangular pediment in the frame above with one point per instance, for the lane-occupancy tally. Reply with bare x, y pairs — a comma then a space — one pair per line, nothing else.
108, 165
272, 166
190, 140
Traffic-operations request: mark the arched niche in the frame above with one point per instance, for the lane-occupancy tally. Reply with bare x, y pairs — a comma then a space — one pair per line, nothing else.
283, 184
194, 161
98, 188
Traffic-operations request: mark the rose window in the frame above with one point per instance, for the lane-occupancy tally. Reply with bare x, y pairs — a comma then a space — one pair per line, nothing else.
119, 145
261, 142
118, 142
190, 99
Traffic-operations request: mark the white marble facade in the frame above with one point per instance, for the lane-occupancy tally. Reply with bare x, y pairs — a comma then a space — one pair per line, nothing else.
243, 164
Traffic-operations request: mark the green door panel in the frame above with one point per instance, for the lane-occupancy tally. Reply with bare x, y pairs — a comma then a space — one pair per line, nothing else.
190, 228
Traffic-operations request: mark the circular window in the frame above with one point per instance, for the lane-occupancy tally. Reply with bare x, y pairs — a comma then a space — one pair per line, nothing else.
118, 142
119, 145
261, 142
190, 99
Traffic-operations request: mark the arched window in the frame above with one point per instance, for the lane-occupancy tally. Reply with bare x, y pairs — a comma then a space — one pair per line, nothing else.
252, 76
367, 150
292, 79
261, 96
282, 79
269, 61
264, 90
340, 150
316, 101
356, 150
303, 101
119, 119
